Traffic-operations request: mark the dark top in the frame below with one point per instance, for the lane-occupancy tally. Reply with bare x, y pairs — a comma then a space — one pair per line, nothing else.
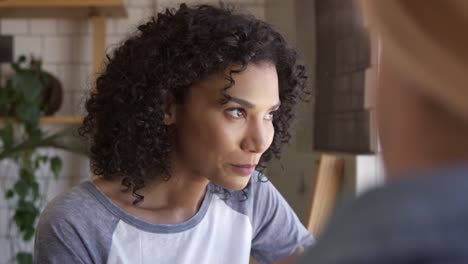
421, 219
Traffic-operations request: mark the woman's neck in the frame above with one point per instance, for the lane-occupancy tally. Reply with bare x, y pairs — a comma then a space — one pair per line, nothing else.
165, 201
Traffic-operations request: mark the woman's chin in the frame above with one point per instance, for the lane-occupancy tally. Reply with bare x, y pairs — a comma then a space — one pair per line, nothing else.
233, 184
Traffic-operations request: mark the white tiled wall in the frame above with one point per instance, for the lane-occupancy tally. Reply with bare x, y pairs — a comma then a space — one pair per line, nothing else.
64, 45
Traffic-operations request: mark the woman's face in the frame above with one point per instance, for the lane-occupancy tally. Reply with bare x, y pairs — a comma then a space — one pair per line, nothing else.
224, 142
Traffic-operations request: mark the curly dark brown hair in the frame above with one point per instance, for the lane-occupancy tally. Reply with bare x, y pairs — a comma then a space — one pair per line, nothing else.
164, 59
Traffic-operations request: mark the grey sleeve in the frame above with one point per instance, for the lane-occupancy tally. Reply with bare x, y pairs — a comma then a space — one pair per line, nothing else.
57, 241
74, 228
277, 230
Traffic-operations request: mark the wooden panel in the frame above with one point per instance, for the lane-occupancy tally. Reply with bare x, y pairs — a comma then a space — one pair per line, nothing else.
99, 40
61, 8
53, 120
61, 120
54, 3
324, 193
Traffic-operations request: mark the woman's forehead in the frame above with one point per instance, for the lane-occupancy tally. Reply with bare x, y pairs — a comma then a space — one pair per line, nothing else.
257, 83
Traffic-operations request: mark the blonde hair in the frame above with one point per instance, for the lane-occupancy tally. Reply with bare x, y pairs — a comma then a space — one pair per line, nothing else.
428, 40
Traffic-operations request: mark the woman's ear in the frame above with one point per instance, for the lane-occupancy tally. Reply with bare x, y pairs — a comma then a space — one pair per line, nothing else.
170, 110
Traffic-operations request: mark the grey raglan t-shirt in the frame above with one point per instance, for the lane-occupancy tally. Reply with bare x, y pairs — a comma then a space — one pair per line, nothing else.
84, 226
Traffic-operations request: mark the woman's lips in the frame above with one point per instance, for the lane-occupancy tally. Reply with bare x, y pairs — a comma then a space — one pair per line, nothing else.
243, 169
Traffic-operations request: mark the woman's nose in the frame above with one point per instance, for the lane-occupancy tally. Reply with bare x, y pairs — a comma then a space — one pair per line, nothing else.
257, 138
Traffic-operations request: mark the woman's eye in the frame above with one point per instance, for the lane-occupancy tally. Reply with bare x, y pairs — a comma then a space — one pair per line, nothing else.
236, 112
270, 116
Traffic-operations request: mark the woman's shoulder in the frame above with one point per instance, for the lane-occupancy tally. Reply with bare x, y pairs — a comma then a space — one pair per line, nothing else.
68, 202
74, 227
69, 208
260, 186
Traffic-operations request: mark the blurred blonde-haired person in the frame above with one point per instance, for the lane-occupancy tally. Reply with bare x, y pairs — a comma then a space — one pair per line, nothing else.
420, 215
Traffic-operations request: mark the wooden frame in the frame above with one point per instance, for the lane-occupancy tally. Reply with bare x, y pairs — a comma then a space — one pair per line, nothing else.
324, 192
61, 8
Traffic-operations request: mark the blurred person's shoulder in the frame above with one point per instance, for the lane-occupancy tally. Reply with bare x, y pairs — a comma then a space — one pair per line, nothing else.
423, 217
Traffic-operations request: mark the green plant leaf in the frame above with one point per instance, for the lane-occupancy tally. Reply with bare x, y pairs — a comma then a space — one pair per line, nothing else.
28, 87
27, 83
7, 136
56, 166
22, 219
25, 215
21, 59
27, 175
35, 189
24, 258
37, 163
7, 99
28, 233
27, 206
9, 194
27, 112
17, 66
21, 188
33, 130
59, 140
43, 158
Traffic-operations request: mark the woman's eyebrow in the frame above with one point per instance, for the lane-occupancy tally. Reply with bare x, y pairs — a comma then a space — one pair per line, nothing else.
248, 104
242, 102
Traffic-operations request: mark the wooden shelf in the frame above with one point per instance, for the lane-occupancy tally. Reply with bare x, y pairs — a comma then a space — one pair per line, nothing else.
61, 8
52, 120
62, 120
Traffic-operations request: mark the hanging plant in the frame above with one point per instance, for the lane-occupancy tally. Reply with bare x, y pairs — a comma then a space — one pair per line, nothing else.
21, 136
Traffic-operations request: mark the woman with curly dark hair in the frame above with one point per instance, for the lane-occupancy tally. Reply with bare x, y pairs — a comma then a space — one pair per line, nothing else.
180, 125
